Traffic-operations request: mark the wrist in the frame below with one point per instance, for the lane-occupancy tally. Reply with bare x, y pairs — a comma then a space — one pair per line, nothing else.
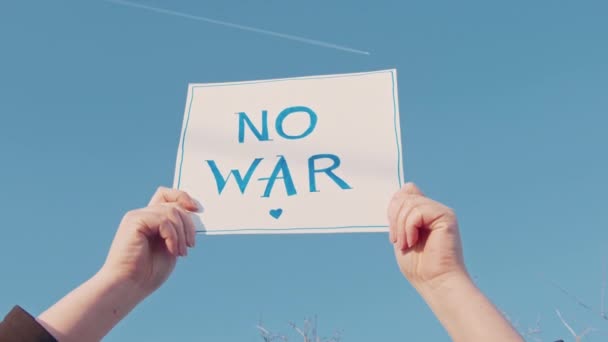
443, 284
465, 312
122, 289
447, 292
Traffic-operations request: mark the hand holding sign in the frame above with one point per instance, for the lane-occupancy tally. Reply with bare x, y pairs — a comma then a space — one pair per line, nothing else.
426, 238
301, 155
149, 240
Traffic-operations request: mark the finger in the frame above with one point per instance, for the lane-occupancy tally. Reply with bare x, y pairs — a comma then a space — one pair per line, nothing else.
408, 203
406, 208
418, 212
168, 233
169, 216
392, 235
427, 214
415, 221
412, 189
394, 207
153, 223
167, 195
190, 228
173, 214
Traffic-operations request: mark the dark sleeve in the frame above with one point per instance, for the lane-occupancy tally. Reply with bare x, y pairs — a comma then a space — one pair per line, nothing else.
20, 326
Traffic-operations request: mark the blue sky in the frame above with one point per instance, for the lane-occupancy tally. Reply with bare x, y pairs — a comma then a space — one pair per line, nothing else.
504, 111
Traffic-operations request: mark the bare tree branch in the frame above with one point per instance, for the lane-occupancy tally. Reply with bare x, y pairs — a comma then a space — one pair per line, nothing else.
268, 336
602, 311
566, 324
586, 332
529, 332
535, 331
262, 330
308, 332
300, 331
573, 297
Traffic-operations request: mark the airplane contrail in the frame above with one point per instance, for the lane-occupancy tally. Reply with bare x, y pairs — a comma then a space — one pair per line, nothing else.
240, 27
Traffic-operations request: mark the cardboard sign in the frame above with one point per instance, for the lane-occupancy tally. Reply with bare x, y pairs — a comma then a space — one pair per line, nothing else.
317, 154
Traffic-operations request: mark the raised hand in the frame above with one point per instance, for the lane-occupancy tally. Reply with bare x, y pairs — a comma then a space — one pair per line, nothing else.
149, 240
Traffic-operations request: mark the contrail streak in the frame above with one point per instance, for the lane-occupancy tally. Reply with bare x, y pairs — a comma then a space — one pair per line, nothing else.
240, 27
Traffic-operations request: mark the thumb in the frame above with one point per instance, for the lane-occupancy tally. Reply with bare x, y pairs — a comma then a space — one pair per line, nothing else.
412, 189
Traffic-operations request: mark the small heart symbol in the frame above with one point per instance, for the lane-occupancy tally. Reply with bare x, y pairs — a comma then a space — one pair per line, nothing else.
276, 213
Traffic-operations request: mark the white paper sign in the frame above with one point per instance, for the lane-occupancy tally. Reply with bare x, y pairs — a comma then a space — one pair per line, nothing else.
317, 154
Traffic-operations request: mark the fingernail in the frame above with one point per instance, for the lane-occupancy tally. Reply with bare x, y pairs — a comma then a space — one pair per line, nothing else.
195, 205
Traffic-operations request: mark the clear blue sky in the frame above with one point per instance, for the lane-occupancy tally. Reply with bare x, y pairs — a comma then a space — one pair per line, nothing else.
504, 109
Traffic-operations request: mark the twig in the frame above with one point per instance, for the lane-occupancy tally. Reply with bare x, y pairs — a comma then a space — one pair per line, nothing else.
601, 312
268, 336
299, 331
573, 297
536, 329
586, 331
566, 324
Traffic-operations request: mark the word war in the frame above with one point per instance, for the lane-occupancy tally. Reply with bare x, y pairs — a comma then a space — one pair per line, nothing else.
281, 168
